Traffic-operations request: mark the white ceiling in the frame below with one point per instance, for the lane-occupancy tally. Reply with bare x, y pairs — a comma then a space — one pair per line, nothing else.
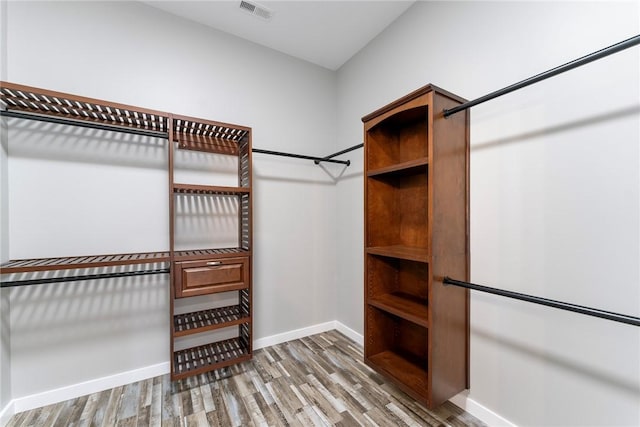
326, 33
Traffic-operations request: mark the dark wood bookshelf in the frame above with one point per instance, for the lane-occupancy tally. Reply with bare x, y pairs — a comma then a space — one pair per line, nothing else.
416, 232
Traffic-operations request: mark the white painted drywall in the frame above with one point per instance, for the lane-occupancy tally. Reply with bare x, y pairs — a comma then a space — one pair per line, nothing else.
554, 194
130, 53
5, 347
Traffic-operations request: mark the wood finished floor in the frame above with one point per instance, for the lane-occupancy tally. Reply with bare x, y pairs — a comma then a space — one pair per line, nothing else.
319, 380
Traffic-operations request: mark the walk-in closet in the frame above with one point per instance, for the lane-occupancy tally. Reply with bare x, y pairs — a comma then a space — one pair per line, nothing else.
301, 213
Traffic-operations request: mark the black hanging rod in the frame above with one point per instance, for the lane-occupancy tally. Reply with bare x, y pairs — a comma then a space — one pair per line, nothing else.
158, 134
300, 156
42, 281
81, 123
616, 317
550, 73
346, 150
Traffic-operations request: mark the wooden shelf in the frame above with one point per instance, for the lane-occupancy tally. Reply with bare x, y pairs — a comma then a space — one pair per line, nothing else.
208, 320
77, 262
403, 305
195, 254
208, 136
209, 189
401, 252
47, 103
403, 370
208, 357
404, 168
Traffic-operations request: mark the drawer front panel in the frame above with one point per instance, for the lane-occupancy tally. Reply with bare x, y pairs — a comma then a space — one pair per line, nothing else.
211, 276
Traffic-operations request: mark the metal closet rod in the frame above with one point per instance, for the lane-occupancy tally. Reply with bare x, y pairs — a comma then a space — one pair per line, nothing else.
80, 123
301, 156
346, 150
633, 41
159, 134
595, 312
42, 281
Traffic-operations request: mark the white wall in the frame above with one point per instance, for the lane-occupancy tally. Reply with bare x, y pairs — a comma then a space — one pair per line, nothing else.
554, 194
5, 352
133, 54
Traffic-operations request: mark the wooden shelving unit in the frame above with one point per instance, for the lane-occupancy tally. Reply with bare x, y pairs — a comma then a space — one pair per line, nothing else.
416, 232
32, 103
192, 271
213, 270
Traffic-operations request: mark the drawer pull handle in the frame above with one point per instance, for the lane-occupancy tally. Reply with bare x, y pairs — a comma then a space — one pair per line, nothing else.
214, 263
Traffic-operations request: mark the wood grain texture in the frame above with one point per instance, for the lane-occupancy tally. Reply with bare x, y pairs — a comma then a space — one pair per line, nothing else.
319, 380
416, 209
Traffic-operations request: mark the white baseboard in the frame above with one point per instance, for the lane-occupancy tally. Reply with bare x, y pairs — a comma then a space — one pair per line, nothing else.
349, 333
293, 335
99, 384
6, 413
479, 411
73, 391
88, 387
306, 331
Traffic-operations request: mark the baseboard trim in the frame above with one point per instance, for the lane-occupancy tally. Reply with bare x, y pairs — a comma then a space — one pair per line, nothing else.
73, 391
479, 411
99, 384
349, 333
6, 413
88, 387
293, 335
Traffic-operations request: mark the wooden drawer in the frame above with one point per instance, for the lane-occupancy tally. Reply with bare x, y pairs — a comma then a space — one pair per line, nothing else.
210, 276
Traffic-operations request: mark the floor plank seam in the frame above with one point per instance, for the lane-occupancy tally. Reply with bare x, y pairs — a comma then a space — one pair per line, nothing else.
319, 380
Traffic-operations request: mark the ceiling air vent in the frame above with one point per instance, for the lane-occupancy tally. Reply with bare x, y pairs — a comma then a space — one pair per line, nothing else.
256, 9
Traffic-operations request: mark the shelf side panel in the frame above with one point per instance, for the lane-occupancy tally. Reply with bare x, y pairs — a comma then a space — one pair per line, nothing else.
450, 252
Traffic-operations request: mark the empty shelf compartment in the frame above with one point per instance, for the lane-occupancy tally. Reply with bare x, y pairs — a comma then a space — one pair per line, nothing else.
208, 320
397, 139
399, 348
397, 210
399, 287
209, 357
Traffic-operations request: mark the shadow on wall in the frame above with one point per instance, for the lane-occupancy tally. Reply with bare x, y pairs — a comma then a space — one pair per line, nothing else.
206, 222
589, 121
41, 140
4, 330
290, 180
68, 313
570, 365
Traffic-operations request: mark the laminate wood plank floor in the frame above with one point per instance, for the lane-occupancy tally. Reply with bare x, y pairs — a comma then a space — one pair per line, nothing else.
320, 380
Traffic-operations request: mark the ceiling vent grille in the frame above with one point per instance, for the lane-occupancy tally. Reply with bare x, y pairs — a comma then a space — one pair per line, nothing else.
256, 10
